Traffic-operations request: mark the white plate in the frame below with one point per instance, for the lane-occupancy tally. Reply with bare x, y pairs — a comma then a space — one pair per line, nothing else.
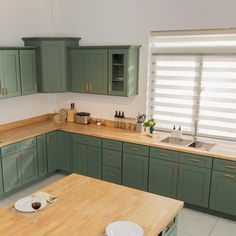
25, 204
124, 228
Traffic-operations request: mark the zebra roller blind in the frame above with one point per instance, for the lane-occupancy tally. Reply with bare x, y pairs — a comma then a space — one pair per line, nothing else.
189, 85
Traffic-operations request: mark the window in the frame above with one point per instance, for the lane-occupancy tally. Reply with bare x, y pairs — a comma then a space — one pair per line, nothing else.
193, 78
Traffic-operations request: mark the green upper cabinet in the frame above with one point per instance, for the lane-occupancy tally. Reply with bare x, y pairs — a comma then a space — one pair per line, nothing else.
111, 70
10, 73
123, 69
194, 185
28, 72
89, 70
42, 155
52, 153
135, 171
163, 177
52, 62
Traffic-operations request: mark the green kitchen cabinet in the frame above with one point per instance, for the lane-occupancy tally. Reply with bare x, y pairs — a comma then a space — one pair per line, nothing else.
29, 166
163, 177
89, 70
1, 181
123, 69
11, 171
94, 162
63, 149
52, 62
10, 73
28, 72
223, 192
42, 155
80, 158
194, 185
135, 171
52, 154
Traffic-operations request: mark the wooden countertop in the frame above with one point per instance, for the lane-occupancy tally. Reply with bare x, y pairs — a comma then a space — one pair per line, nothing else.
222, 149
85, 206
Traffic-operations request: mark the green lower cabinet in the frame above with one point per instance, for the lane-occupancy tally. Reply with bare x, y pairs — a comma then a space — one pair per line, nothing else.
79, 158
111, 174
223, 192
29, 167
52, 152
11, 171
63, 149
194, 185
1, 181
94, 162
163, 177
135, 171
42, 155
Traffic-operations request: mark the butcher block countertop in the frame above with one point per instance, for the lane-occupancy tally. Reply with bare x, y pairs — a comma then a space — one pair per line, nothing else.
222, 149
85, 206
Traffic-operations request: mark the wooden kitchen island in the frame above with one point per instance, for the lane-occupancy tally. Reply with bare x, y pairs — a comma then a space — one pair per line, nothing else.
85, 206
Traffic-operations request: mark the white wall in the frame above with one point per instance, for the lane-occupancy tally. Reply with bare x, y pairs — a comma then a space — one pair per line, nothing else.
99, 23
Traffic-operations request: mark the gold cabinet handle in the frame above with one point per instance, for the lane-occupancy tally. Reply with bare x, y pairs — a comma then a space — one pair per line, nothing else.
230, 167
111, 145
111, 174
90, 87
194, 160
164, 154
229, 176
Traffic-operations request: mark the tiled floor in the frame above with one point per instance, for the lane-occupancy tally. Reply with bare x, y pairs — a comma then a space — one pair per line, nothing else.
191, 223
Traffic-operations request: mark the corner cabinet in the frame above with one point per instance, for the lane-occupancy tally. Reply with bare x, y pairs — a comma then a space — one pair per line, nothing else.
107, 70
52, 62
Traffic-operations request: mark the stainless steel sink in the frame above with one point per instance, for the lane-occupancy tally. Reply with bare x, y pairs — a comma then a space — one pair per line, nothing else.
202, 145
177, 141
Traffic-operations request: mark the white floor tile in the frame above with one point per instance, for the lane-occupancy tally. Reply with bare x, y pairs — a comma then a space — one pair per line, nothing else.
194, 223
5, 201
224, 228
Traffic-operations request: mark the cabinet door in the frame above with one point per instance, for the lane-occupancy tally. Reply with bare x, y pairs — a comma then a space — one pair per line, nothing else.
194, 185
52, 155
223, 192
42, 155
1, 182
79, 70
53, 66
63, 147
117, 71
11, 73
135, 171
163, 177
94, 162
29, 168
2, 85
97, 71
11, 172
79, 158
28, 72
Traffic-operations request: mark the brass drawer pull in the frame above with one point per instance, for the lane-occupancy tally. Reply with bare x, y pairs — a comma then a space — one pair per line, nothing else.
164, 154
195, 160
111, 158
231, 167
135, 149
111, 145
111, 174
229, 176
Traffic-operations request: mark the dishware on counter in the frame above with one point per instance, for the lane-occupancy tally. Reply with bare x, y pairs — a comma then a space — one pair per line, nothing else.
30, 204
82, 118
121, 228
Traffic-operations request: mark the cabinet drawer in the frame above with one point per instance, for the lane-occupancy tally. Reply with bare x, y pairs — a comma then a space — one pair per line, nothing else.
164, 154
10, 149
93, 141
196, 160
112, 158
136, 149
112, 144
29, 143
111, 174
224, 165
